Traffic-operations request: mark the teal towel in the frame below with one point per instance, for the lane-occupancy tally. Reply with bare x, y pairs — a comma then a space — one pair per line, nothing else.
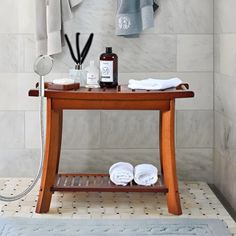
133, 16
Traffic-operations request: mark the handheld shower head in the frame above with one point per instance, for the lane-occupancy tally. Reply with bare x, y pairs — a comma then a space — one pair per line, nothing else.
43, 66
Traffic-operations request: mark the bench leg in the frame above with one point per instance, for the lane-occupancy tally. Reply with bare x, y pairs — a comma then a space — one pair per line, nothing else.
51, 158
160, 143
59, 136
168, 159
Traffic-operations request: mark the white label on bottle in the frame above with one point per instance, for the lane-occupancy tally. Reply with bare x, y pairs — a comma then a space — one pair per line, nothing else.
92, 79
106, 71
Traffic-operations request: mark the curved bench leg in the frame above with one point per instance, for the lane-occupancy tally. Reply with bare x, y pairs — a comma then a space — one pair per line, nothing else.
51, 158
160, 143
168, 159
59, 136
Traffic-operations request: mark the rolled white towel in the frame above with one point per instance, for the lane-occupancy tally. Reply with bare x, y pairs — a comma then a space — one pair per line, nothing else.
154, 84
145, 174
121, 173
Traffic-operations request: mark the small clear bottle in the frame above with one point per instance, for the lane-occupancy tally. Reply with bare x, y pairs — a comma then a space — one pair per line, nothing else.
92, 76
108, 69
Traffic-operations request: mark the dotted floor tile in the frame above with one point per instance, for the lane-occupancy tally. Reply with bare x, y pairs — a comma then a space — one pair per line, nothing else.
197, 200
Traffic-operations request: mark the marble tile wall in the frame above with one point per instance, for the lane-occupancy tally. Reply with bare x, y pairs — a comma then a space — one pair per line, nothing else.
225, 99
180, 45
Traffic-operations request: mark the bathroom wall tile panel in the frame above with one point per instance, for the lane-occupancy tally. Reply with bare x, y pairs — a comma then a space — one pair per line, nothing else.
219, 170
6, 25
21, 18
195, 53
14, 94
225, 95
98, 6
228, 155
202, 86
29, 52
19, 162
224, 175
194, 129
225, 16
195, 164
134, 156
217, 58
81, 129
11, 129
225, 135
149, 53
32, 129
200, 82
11, 59
129, 129
26, 19
220, 93
84, 160
232, 183
87, 20
224, 101
15, 87
226, 54
184, 16
145, 53
93, 16
24, 163
63, 62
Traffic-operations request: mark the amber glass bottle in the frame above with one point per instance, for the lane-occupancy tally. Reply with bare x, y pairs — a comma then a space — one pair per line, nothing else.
108, 69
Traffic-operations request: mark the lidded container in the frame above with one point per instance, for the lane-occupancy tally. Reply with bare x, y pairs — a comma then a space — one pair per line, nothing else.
108, 69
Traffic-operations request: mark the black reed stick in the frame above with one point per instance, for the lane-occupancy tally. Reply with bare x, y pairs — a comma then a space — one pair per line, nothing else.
71, 50
86, 48
78, 47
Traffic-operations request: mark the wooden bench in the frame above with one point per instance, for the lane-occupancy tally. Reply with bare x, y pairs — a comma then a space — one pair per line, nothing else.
120, 98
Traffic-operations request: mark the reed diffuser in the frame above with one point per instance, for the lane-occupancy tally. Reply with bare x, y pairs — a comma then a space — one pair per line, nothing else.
78, 74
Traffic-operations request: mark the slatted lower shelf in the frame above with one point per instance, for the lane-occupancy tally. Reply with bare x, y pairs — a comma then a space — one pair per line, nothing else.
100, 183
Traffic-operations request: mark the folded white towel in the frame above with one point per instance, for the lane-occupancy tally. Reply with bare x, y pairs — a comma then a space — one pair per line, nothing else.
145, 174
63, 81
154, 84
121, 173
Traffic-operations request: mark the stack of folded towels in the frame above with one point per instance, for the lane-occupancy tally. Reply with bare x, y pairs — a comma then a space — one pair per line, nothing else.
122, 173
154, 84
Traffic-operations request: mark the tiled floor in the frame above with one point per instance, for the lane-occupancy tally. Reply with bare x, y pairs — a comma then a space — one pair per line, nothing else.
198, 201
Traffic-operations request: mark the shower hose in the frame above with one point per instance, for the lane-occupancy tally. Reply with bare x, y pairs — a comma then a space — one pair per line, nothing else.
38, 175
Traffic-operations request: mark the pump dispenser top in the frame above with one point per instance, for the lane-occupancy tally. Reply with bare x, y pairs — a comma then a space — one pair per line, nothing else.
108, 49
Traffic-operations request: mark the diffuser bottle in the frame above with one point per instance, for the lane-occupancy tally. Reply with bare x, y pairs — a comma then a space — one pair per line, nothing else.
78, 75
108, 69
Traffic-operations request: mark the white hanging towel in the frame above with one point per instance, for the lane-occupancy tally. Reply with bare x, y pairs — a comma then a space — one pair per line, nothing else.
121, 173
154, 84
145, 174
50, 16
